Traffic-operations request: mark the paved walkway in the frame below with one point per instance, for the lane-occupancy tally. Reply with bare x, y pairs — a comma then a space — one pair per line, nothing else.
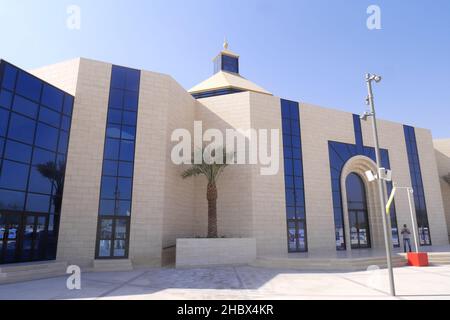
239, 283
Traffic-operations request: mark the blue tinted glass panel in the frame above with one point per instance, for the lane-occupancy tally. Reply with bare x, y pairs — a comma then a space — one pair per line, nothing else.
41, 156
114, 116
130, 101
14, 176
230, 64
46, 137
3, 122
133, 80
12, 200
124, 188
125, 169
29, 86
38, 182
68, 105
65, 123
50, 117
118, 78
110, 168
112, 147
52, 98
128, 133
113, 131
21, 129
109, 188
37, 203
108, 207
129, 118
9, 77
25, 107
127, 151
5, 99
63, 142
116, 99
18, 151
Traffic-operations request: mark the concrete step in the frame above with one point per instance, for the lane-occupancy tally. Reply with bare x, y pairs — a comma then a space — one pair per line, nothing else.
31, 271
356, 264
112, 265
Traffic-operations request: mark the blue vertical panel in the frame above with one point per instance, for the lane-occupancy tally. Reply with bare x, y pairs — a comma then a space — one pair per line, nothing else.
33, 149
417, 184
294, 183
118, 165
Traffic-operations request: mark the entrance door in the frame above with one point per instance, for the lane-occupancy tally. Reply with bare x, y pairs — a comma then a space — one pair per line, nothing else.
357, 212
359, 229
9, 235
22, 237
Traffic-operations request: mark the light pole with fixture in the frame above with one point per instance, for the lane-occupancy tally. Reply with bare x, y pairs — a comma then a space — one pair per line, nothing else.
381, 175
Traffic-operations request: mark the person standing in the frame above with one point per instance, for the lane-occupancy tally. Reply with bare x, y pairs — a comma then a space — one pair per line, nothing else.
406, 234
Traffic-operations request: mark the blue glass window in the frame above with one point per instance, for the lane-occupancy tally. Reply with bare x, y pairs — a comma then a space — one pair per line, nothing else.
25, 107
63, 142
65, 123
293, 167
29, 86
21, 129
46, 137
68, 105
24, 186
43, 156
112, 147
117, 179
50, 117
14, 175
3, 122
12, 200
52, 98
5, 99
126, 150
38, 182
417, 184
37, 203
18, 151
230, 64
9, 77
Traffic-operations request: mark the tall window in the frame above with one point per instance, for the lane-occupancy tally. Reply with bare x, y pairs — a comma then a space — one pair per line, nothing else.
358, 216
294, 183
35, 120
417, 184
118, 165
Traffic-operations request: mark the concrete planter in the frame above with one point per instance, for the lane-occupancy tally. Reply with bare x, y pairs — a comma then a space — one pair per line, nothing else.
215, 252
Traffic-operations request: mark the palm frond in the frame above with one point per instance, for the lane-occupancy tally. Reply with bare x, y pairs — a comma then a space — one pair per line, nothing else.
447, 178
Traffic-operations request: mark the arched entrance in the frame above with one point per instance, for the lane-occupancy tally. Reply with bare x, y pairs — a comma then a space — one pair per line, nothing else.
358, 214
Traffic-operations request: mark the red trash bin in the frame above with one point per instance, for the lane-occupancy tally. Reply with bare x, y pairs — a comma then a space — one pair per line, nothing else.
418, 259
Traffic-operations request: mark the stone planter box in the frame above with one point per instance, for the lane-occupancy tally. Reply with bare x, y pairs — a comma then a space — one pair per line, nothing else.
215, 252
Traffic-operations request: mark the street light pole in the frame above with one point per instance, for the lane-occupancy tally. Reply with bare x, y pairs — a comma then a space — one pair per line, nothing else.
387, 232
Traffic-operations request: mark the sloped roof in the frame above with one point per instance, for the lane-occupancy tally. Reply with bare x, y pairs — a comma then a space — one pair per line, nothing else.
226, 80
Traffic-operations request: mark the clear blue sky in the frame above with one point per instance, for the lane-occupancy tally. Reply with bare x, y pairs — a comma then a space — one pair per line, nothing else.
314, 51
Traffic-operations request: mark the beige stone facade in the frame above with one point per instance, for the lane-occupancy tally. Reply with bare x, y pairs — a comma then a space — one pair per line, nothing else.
250, 205
442, 153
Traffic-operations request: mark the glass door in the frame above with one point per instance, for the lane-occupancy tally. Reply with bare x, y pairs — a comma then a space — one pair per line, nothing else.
10, 226
359, 229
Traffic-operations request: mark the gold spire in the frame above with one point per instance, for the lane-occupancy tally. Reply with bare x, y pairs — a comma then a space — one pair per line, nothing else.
225, 44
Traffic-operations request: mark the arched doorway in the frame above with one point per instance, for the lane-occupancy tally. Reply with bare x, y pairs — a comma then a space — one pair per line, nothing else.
357, 212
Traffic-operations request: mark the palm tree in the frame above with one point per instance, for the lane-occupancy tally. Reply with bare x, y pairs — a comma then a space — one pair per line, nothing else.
211, 170
54, 172
447, 178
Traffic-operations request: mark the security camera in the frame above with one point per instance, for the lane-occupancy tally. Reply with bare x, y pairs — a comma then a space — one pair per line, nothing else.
371, 177
377, 79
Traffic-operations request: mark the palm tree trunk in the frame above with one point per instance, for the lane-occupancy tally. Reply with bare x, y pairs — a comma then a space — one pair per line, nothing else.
211, 195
